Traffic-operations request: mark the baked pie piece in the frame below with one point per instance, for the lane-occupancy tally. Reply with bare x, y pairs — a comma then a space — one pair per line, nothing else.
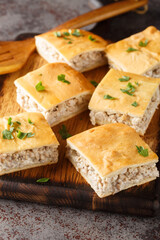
26, 141
139, 53
125, 98
56, 90
111, 158
80, 49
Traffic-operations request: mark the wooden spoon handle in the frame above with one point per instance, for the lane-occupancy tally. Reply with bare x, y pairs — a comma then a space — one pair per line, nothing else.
102, 13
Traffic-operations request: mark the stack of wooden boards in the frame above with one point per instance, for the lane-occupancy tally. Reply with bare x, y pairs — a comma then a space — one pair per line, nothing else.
63, 174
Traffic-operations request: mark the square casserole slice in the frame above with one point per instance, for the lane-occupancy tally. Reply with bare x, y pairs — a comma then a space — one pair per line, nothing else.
60, 100
108, 159
135, 100
26, 141
80, 49
143, 60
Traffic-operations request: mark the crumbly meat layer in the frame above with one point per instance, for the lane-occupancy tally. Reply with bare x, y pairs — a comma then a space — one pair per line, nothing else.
88, 60
155, 73
113, 184
55, 114
81, 62
140, 124
27, 158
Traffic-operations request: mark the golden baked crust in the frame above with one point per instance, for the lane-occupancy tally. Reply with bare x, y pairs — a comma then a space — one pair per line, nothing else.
111, 148
55, 91
43, 133
141, 61
79, 45
111, 85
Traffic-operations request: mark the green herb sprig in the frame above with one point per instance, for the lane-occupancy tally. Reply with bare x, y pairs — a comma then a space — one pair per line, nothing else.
64, 133
124, 79
42, 180
134, 104
130, 49
61, 78
94, 83
142, 151
91, 38
109, 97
39, 87
130, 89
143, 44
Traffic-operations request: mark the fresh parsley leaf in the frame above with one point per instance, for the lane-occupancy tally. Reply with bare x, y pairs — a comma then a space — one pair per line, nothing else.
66, 33
94, 83
18, 122
42, 180
142, 151
129, 89
124, 79
30, 122
7, 134
69, 42
143, 44
9, 121
64, 133
134, 104
130, 49
77, 33
91, 38
21, 135
61, 78
57, 34
137, 83
109, 97
30, 134
66, 38
39, 87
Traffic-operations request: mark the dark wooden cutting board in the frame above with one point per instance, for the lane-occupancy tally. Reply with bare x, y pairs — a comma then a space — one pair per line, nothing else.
66, 186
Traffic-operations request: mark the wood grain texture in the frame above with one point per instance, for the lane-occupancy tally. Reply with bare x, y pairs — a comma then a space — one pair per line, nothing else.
66, 186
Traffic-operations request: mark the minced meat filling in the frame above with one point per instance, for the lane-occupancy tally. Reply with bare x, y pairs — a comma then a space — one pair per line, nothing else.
62, 110
9, 161
138, 123
155, 73
112, 184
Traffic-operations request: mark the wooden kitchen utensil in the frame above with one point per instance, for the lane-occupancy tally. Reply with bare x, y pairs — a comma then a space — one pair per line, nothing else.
14, 54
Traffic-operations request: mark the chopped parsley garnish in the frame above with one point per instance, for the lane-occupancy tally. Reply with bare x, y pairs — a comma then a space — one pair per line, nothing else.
30, 134
91, 38
22, 135
94, 83
77, 33
57, 34
124, 79
7, 134
9, 121
130, 49
130, 89
66, 33
39, 87
64, 133
42, 180
142, 151
69, 42
66, 38
30, 122
61, 78
134, 104
137, 83
109, 97
143, 44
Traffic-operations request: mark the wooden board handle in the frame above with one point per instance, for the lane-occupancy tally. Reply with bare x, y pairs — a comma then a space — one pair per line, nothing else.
102, 13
